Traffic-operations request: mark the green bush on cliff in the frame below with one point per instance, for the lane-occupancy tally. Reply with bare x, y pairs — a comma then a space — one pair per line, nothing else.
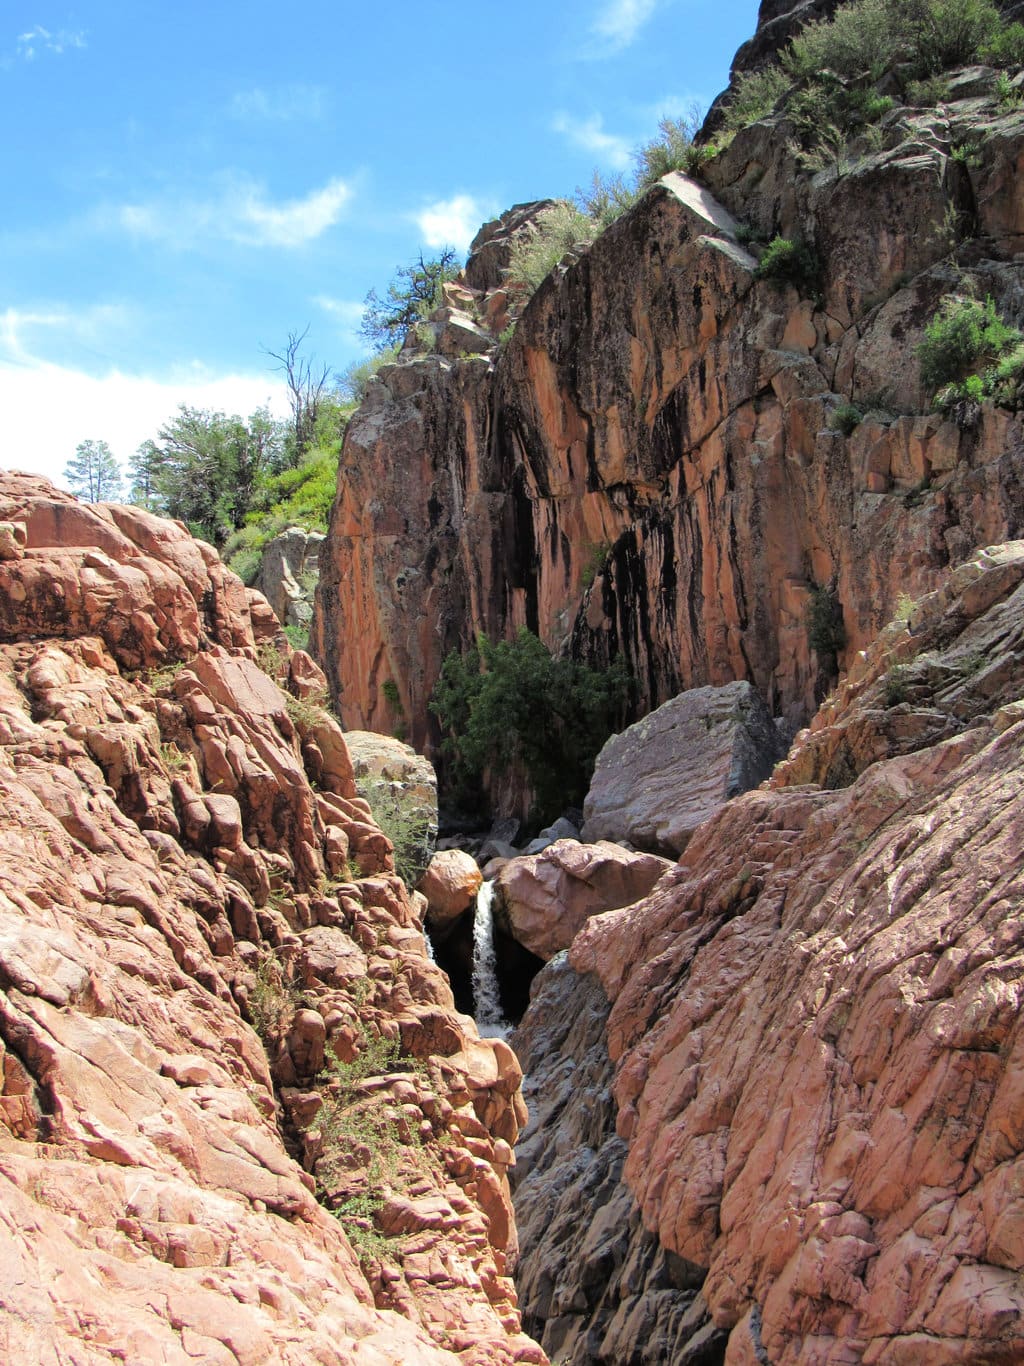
559, 229
825, 74
512, 707
966, 340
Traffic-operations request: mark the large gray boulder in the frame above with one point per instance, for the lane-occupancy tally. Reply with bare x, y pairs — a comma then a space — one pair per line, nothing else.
288, 573
665, 775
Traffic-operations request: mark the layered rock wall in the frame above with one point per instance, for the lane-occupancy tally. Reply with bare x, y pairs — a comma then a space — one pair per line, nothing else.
815, 1029
646, 467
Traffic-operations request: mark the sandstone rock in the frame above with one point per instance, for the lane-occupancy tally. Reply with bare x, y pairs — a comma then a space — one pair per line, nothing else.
450, 885
658, 780
546, 899
594, 1285
168, 884
647, 469
839, 945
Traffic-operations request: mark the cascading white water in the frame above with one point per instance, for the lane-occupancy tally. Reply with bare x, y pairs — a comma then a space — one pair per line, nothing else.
486, 997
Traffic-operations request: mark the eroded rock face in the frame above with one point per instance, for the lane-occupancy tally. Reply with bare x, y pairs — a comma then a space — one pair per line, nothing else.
655, 782
178, 961
594, 1286
288, 572
646, 468
545, 899
815, 1017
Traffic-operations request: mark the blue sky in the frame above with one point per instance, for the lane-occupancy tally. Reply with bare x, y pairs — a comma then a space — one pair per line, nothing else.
187, 183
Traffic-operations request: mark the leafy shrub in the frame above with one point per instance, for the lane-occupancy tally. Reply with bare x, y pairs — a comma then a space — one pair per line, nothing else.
846, 418
790, 263
606, 199
246, 564
826, 634
357, 377
858, 43
1007, 94
755, 97
673, 150
930, 91
1005, 48
298, 637
960, 337
512, 706
401, 816
559, 229
950, 33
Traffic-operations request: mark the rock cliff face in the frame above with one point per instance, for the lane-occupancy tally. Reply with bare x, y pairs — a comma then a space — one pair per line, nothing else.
815, 1034
184, 946
646, 466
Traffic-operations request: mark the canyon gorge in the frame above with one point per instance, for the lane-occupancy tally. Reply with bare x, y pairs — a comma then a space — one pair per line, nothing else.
766, 1101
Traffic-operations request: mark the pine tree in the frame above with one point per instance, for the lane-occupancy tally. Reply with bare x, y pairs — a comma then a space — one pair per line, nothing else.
93, 473
144, 472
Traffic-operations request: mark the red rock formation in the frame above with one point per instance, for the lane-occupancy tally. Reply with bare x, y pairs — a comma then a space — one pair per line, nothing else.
169, 878
647, 468
816, 1017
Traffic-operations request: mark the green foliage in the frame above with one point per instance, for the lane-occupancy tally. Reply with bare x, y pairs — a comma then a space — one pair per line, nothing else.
298, 637
271, 1000
245, 563
306, 713
674, 149
826, 634
410, 298
826, 74
172, 758
558, 229
512, 706
390, 693
789, 262
606, 199
1005, 48
144, 469
210, 465
755, 96
358, 375
93, 473
904, 609
1007, 94
846, 418
594, 560
961, 337
401, 816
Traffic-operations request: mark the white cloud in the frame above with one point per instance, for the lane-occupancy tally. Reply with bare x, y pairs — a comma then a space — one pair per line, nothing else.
241, 213
87, 326
47, 409
590, 134
452, 222
347, 313
619, 22
281, 105
40, 39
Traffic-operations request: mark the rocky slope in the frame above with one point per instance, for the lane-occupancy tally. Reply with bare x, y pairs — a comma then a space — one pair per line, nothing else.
218, 1020
814, 1044
646, 466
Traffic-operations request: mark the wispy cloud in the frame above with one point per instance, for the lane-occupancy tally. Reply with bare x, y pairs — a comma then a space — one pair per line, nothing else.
39, 39
21, 329
619, 21
452, 222
241, 212
285, 104
347, 312
590, 134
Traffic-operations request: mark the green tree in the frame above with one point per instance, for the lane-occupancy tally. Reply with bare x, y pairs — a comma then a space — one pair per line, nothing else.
512, 705
144, 469
413, 294
212, 465
93, 473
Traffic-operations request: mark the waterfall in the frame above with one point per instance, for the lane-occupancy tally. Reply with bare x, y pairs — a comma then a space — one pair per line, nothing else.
486, 998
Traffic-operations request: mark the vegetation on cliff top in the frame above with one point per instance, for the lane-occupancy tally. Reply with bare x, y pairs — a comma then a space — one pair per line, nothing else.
825, 78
